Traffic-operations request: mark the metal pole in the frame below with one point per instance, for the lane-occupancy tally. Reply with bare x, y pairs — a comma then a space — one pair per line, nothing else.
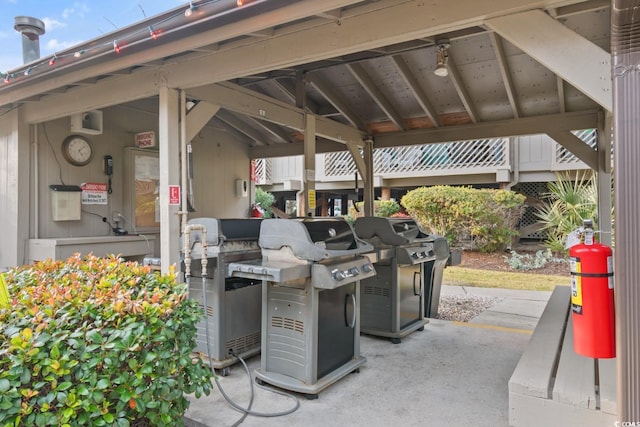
183, 160
625, 53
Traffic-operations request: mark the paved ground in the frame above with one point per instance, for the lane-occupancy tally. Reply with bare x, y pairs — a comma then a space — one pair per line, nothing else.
450, 374
516, 309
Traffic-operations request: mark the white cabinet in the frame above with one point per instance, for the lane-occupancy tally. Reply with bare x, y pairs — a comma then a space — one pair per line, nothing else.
63, 247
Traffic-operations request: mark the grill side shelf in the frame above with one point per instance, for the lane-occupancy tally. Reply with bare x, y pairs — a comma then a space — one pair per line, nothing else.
273, 272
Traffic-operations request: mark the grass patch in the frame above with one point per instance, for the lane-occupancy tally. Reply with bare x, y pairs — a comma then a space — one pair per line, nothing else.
459, 276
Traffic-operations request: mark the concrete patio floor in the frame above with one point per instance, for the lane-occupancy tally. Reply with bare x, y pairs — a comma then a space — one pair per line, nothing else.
450, 374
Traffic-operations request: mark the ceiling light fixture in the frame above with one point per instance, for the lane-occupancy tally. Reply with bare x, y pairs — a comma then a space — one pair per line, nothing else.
442, 58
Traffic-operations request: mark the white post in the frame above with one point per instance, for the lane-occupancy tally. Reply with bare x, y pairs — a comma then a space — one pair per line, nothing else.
169, 142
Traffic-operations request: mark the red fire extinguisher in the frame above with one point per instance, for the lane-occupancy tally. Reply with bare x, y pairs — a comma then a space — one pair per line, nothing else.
592, 306
256, 211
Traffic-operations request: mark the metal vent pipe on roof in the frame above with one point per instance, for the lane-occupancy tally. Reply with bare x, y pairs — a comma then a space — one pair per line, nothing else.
31, 30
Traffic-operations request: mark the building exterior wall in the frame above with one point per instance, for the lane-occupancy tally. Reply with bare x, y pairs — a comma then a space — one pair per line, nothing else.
219, 161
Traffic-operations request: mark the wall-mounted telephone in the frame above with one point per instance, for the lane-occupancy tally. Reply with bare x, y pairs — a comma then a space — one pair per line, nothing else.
108, 170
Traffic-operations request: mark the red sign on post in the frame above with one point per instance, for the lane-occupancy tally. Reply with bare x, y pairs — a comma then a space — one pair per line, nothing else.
174, 195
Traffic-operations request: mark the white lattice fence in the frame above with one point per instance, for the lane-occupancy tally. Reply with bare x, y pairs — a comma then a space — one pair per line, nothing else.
487, 153
263, 170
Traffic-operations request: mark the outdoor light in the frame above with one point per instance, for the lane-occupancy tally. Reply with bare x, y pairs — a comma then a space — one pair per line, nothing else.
442, 57
190, 10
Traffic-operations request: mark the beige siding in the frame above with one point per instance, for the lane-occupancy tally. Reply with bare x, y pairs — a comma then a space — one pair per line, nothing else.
218, 161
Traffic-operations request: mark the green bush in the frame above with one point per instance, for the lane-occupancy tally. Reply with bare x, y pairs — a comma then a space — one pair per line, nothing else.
98, 342
383, 208
487, 217
266, 200
532, 262
568, 202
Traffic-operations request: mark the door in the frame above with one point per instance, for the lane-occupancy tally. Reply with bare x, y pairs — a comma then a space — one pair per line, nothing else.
410, 294
336, 323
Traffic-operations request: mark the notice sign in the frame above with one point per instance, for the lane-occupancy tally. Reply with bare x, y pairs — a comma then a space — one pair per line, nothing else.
174, 195
312, 199
146, 139
94, 193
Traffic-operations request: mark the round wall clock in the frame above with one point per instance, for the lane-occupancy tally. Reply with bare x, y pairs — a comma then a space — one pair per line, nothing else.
77, 150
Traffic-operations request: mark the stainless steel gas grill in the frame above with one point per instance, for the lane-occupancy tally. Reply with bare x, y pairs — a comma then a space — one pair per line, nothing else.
232, 305
406, 260
311, 269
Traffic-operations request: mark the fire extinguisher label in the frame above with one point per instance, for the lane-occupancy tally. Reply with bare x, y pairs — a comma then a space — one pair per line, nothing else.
610, 271
576, 285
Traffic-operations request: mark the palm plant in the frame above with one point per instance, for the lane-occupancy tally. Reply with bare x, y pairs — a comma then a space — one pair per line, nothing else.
568, 202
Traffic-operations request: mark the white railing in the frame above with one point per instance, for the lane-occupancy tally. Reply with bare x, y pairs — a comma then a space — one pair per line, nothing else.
454, 158
412, 159
263, 171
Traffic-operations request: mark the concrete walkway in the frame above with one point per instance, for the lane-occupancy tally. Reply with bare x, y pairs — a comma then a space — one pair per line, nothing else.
516, 309
450, 374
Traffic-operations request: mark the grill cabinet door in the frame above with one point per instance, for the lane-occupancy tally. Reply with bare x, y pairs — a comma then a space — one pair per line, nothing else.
336, 335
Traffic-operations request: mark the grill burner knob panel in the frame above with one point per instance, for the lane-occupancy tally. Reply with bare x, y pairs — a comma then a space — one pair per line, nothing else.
341, 273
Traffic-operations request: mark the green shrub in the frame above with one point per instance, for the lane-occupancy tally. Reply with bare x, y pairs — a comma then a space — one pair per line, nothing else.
266, 200
532, 262
383, 208
98, 342
568, 202
487, 217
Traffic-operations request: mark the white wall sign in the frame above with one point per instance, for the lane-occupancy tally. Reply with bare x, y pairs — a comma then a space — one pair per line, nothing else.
146, 139
94, 193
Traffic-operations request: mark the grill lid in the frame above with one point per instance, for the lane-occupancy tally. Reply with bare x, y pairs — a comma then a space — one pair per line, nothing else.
390, 231
312, 239
226, 229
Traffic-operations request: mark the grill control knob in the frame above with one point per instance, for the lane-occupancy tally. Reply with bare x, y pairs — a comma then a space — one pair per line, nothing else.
414, 255
354, 271
367, 268
338, 275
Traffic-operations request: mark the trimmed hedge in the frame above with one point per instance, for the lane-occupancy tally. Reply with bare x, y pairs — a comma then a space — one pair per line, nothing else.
98, 342
383, 208
486, 217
